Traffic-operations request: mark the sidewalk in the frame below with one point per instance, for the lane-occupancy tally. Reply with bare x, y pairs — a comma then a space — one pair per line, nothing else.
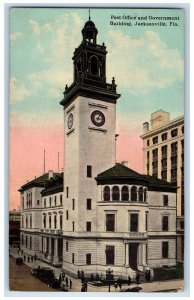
155, 286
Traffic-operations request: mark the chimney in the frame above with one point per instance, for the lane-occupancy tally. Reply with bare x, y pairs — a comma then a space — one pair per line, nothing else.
145, 127
50, 174
125, 163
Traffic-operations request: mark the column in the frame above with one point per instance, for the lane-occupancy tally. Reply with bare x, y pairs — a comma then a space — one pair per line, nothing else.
127, 254
143, 249
49, 248
56, 256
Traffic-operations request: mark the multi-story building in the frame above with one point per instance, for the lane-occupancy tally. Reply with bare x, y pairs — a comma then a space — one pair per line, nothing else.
105, 215
163, 146
14, 227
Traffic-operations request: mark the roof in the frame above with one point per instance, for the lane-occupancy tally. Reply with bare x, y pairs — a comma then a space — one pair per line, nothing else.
122, 174
53, 185
39, 181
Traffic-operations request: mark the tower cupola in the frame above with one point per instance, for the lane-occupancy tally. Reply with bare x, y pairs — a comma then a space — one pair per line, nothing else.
90, 32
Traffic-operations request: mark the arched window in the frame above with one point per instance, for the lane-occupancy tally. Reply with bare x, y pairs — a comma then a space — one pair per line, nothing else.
145, 195
141, 194
106, 195
115, 193
61, 222
49, 221
133, 193
94, 65
125, 193
26, 221
55, 221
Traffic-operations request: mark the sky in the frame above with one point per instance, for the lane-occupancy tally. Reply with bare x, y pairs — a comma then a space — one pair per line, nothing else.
146, 61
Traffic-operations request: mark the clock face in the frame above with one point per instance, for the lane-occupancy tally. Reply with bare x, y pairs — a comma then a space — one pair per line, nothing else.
98, 118
70, 121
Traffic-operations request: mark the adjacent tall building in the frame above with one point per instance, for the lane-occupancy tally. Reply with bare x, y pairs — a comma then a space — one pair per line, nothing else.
163, 146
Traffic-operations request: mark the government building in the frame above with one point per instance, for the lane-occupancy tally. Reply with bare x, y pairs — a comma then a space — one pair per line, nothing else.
98, 214
163, 146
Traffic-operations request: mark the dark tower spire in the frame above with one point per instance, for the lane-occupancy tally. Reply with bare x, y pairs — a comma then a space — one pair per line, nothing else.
89, 14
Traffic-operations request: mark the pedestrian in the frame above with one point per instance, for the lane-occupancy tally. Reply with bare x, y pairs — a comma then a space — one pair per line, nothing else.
137, 278
35, 257
78, 274
115, 285
70, 284
129, 280
60, 277
24, 257
85, 286
66, 280
63, 276
82, 288
120, 285
82, 275
28, 259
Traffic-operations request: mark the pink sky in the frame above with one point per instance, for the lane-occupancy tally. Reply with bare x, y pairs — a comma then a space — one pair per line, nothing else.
27, 147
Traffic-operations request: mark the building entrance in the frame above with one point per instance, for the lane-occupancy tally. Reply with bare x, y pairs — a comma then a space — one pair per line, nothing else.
133, 251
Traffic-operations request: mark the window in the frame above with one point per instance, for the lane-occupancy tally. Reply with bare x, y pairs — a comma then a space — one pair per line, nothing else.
173, 174
55, 221
50, 200
67, 192
89, 204
89, 171
125, 193
155, 165
73, 226
164, 249
88, 226
106, 193
30, 221
155, 140
148, 155
44, 221
141, 194
44, 202
182, 129
94, 65
182, 224
73, 258
134, 222
61, 221
110, 255
67, 246
164, 162
110, 222
148, 143
145, 195
38, 202
155, 153
174, 132
146, 221
115, 193
133, 193
55, 200
73, 204
164, 175
88, 259
164, 150
164, 136
67, 215
61, 199
165, 223
174, 160
49, 221
174, 147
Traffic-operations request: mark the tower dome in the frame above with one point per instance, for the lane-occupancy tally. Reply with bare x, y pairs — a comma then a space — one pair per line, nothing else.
89, 32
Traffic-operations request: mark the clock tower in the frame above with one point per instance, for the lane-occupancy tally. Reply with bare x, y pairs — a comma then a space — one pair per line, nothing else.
90, 127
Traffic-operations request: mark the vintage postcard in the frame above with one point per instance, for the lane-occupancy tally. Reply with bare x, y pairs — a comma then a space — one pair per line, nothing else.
96, 149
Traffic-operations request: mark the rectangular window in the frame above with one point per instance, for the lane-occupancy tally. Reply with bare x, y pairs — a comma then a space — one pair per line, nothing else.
164, 136
110, 222
148, 143
55, 200
134, 222
174, 147
89, 204
89, 171
38, 202
164, 249
67, 246
146, 222
73, 204
73, 226
164, 162
174, 160
61, 199
50, 200
164, 175
174, 132
110, 255
165, 223
164, 150
155, 153
88, 226
67, 192
73, 258
88, 259
155, 140
67, 215
165, 200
